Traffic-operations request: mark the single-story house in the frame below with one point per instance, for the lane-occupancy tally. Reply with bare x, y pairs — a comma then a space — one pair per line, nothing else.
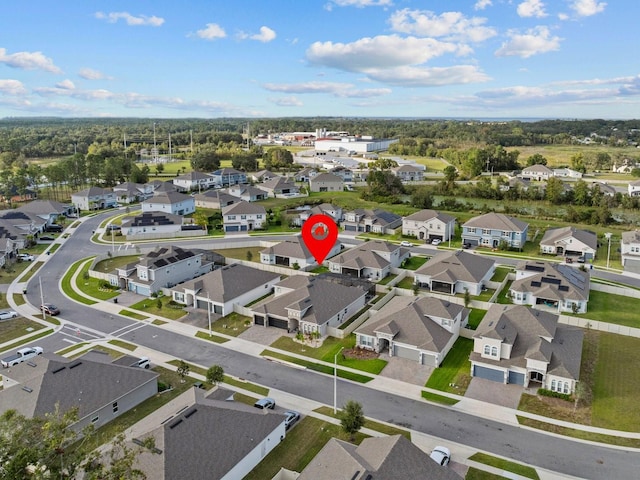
101, 391
422, 329
243, 217
293, 252
326, 182
279, 187
220, 289
309, 304
215, 199
454, 272
568, 241
567, 173
194, 181
373, 260
247, 193
94, 198
550, 285
493, 229
47, 210
262, 176
527, 347
170, 202
429, 225
305, 174
375, 221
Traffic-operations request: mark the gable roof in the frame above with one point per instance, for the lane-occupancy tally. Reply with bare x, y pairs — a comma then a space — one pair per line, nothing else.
148, 219
278, 183
243, 208
377, 216
497, 221
93, 192
289, 248
40, 207
365, 255
326, 177
168, 198
194, 176
457, 266
631, 237
227, 283
553, 235
538, 168
553, 281
426, 215
376, 457
163, 256
227, 171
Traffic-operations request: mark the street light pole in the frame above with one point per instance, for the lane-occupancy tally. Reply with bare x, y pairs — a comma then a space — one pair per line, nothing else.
335, 381
209, 312
44, 314
608, 237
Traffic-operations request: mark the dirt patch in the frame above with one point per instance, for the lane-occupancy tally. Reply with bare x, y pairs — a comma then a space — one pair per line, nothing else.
360, 353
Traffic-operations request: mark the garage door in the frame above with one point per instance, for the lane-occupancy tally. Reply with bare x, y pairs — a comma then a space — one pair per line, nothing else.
471, 241
201, 304
350, 228
278, 323
429, 360
258, 319
632, 266
405, 352
516, 378
488, 373
231, 228
436, 237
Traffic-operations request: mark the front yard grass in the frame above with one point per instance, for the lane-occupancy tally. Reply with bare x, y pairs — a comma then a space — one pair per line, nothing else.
91, 286
233, 324
17, 327
150, 306
300, 446
241, 253
368, 423
327, 370
616, 309
67, 287
506, 465
454, 370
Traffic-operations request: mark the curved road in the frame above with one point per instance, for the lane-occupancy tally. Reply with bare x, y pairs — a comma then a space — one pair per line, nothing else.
546, 451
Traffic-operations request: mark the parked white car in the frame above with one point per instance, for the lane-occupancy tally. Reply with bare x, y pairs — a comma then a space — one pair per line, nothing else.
436, 241
26, 257
406, 244
7, 314
441, 455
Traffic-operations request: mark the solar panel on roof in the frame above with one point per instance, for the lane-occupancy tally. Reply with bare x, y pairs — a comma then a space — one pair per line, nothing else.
553, 281
534, 268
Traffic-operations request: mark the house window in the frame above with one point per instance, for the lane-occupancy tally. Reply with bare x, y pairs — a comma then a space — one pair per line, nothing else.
259, 217
566, 387
553, 385
115, 407
243, 217
494, 351
486, 231
142, 274
471, 230
179, 297
231, 217
487, 350
505, 234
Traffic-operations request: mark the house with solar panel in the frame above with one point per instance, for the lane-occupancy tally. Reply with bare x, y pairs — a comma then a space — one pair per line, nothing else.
161, 268
159, 225
552, 286
372, 260
375, 221
170, 202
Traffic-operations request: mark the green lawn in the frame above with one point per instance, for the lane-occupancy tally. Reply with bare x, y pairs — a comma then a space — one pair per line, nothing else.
32, 271
66, 283
475, 474
252, 387
456, 369
317, 367
130, 314
150, 306
522, 470
387, 279
616, 309
500, 274
125, 345
40, 334
91, 286
241, 253
414, 263
17, 327
110, 264
370, 424
9, 272
502, 296
434, 397
211, 338
475, 317
233, 324
406, 282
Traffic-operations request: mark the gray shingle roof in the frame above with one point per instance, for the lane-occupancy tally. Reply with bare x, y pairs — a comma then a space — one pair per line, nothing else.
426, 215
243, 208
278, 184
553, 281
455, 266
168, 198
325, 177
39, 207
554, 235
289, 248
497, 221
631, 237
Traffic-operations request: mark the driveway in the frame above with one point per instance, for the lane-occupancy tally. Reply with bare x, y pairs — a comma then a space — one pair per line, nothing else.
405, 370
263, 335
505, 395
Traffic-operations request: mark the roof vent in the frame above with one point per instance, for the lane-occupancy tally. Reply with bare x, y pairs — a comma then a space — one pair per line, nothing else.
27, 389
75, 365
31, 364
59, 369
176, 423
190, 412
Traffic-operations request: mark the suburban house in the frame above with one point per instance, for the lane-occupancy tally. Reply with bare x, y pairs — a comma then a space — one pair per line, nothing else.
158, 225
454, 272
47, 210
22, 224
344, 173
10, 243
630, 251
101, 391
194, 181
421, 329
163, 186
215, 199
550, 285
305, 174
634, 188
333, 211
195, 442
243, 217
567, 173
293, 252
493, 229
262, 176
161, 268
527, 347
170, 202
94, 198
606, 189
228, 177
309, 304
429, 225
247, 193
374, 221
569, 241
129, 192
326, 182
225, 287
538, 173
408, 173
278, 187
384, 457
373, 260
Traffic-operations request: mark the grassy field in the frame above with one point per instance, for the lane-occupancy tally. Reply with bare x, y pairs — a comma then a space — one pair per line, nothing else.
454, 370
17, 327
559, 155
616, 309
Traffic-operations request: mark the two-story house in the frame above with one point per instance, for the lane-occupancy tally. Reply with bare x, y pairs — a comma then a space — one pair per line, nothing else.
375, 221
408, 173
129, 192
229, 176
243, 217
344, 173
193, 181
538, 173
170, 202
630, 251
429, 225
495, 229
633, 189
326, 182
94, 198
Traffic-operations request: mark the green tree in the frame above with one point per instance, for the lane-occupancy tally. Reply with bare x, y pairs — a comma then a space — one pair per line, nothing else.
277, 158
422, 198
352, 418
201, 218
249, 256
215, 374
467, 298
159, 168
536, 159
578, 163
159, 304
205, 159
581, 193
554, 190
183, 370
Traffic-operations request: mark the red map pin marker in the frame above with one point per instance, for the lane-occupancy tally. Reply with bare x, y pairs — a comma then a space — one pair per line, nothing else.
319, 234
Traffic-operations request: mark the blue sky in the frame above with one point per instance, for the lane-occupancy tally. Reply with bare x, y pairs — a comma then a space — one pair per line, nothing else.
258, 58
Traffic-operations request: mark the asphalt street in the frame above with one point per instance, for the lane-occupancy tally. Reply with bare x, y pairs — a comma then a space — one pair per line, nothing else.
547, 451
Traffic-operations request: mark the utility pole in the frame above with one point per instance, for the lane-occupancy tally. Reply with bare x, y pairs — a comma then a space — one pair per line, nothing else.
155, 149
44, 314
608, 237
335, 381
209, 312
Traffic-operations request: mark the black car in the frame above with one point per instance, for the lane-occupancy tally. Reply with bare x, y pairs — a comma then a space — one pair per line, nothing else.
54, 227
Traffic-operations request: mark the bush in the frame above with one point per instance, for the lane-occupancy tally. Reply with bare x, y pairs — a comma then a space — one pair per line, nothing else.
549, 393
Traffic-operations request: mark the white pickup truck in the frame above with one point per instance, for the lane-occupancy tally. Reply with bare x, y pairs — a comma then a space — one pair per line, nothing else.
21, 355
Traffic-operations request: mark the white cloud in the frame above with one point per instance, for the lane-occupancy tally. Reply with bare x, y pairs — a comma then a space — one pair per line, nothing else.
266, 35
12, 87
532, 8
286, 101
343, 90
563, 16
360, 3
450, 25
430, 77
66, 84
535, 41
586, 8
211, 32
28, 61
384, 51
91, 74
131, 20
482, 4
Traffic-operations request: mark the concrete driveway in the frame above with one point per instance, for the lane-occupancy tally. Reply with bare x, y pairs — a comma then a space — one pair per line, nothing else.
405, 370
505, 395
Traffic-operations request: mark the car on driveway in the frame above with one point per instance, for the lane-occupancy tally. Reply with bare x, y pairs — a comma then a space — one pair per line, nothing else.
436, 241
466, 245
7, 314
54, 227
50, 309
441, 455
26, 257
406, 244
291, 417
265, 402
